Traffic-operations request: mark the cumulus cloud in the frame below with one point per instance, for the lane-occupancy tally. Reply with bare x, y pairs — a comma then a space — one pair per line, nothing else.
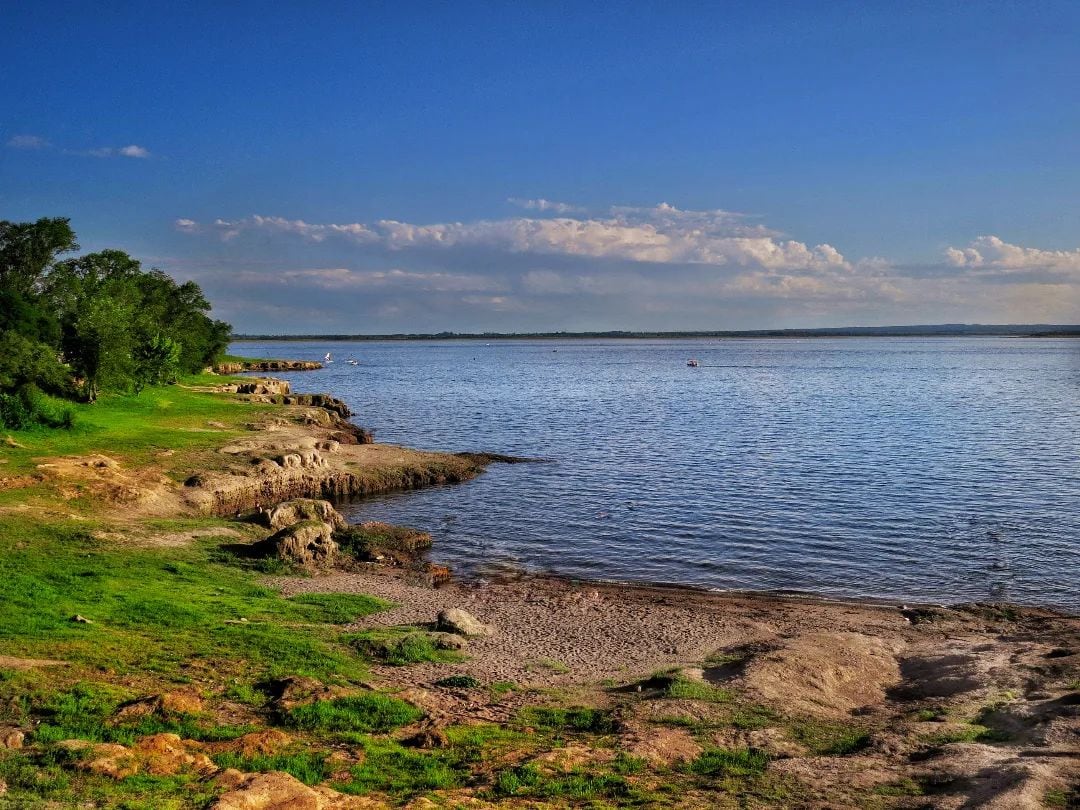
662, 234
992, 255
27, 142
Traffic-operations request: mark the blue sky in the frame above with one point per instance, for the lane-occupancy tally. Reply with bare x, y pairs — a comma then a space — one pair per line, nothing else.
419, 167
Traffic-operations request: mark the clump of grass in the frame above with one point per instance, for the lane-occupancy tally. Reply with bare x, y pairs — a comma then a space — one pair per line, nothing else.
458, 682
340, 608
829, 739
901, 787
936, 714
401, 647
307, 766
752, 716
400, 772
78, 713
971, 732
686, 689
500, 688
729, 762
576, 719
530, 781
368, 712
478, 743
247, 694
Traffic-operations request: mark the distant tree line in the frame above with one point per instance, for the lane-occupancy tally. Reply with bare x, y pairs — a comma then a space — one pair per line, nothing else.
74, 327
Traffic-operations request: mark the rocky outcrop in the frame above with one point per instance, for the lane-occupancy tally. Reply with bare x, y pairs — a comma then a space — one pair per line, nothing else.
295, 511
266, 365
266, 481
307, 544
277, 790
373, 541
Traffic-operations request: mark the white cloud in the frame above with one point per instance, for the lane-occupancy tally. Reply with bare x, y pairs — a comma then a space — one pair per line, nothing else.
186, 225
133, 151
27, 142
546, 205
343, 278
992, 255
663, 234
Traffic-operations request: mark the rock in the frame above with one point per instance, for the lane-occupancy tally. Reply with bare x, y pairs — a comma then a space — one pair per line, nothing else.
77, 619
456, 620
308, 544
257, 743
297, 690
292, 512
106, 759
448, 641
11, 738
428, 737
281, 791
168, 755
179, 702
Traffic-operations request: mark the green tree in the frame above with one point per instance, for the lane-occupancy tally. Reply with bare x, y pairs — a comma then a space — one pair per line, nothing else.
28, 250
157, 361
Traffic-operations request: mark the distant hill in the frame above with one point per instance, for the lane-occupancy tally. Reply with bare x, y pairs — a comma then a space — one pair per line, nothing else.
933, 330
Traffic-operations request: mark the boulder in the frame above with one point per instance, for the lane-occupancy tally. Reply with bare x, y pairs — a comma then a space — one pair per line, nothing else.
295, 511
461, 622
11, 738
281, 791
309, 544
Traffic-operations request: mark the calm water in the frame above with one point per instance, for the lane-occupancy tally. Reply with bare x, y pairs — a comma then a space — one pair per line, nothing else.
912, 469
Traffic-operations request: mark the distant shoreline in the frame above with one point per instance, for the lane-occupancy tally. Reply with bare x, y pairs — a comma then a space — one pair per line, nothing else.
938, 330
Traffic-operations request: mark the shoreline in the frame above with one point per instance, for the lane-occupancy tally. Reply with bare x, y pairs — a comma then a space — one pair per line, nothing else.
564, 690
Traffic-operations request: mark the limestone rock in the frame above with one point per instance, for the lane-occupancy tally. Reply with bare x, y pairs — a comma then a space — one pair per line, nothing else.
308, 544
456, 620
292, 512
281, 791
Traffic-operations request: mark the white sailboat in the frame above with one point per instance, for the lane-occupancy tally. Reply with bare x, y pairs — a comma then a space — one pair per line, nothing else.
327, 358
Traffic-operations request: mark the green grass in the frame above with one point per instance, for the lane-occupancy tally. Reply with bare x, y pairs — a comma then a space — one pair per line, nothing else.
829, 739
367, 712
342, 608
685, 689
458, 682
739, 762
576, 719
392, 769
901, 787
84, 711
156, 610
579, 785
401, 646
309, 767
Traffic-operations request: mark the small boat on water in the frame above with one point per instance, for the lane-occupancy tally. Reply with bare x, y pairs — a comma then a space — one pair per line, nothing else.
327, 358
692, 363
352, 362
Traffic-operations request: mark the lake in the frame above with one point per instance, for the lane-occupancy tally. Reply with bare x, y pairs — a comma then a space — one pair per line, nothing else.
938, 469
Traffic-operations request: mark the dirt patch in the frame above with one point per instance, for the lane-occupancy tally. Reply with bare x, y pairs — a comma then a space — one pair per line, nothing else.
11, 662
825, 674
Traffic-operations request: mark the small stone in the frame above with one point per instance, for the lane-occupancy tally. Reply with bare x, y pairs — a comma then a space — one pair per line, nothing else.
456, 620
77, 619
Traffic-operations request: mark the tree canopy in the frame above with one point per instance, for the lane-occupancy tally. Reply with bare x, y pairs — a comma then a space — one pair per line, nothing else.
77, 326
